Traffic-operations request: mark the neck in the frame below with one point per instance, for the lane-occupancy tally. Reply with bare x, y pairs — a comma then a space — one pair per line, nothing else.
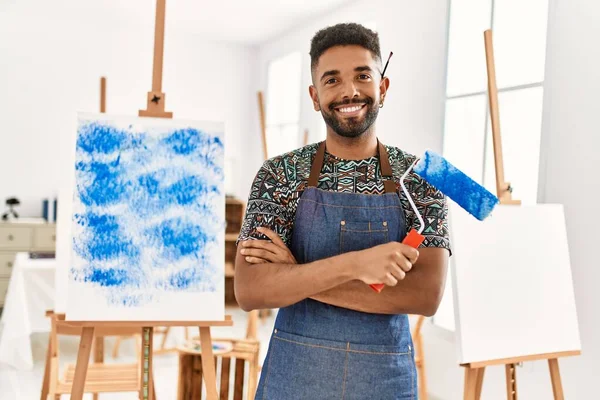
358, 148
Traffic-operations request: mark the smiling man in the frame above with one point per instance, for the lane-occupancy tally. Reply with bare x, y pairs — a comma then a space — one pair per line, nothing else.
327, 220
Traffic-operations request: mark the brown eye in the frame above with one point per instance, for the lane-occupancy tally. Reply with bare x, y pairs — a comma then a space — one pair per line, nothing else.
330, 81
364, 76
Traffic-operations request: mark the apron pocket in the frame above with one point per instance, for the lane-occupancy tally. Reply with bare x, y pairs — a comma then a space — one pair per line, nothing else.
360, 235
304, 368
380, 375
301, 368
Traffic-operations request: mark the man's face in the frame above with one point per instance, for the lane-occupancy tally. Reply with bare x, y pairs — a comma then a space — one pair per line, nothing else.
347, 89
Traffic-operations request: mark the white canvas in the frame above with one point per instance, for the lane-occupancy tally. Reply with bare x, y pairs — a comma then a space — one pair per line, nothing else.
513, 290
147, 221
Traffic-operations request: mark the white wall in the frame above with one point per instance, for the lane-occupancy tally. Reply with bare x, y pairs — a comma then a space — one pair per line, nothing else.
51, 62
416, 33
571, 157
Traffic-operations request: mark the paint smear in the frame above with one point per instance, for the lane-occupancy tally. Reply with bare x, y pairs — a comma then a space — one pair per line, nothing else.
148, 211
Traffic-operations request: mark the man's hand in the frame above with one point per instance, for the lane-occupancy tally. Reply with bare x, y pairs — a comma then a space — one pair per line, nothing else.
387, 263
263, 251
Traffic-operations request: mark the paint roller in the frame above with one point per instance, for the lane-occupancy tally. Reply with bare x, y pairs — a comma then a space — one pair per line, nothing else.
452, 182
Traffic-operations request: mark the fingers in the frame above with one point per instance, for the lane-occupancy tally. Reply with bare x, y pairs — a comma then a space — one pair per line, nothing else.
402, 262
281, 252
390, 280
261, 244
255, 260
259, 253
268, 252
410, 253
396, 271
272, 235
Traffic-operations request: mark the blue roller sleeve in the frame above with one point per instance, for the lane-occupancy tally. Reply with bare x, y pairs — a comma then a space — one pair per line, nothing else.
455, 184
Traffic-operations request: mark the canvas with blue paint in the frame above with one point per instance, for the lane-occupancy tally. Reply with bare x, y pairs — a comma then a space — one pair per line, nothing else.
148, 220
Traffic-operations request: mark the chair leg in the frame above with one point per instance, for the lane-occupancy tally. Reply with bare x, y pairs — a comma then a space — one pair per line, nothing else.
115, 353
163, 343
138, 345
253, 377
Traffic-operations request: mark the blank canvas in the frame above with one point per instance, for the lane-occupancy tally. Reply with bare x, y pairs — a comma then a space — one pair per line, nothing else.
147, 220
513, 290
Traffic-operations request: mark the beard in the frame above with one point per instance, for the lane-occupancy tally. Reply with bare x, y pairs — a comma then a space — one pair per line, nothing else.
350, 127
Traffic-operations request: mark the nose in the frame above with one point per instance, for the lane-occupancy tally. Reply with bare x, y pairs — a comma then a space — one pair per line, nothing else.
349, 90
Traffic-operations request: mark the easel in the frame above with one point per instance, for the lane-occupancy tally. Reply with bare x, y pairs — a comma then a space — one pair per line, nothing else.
263, 126
474, 372
155, 108
263, 123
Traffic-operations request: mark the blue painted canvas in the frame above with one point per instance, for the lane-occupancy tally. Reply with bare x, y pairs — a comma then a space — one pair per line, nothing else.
148, 220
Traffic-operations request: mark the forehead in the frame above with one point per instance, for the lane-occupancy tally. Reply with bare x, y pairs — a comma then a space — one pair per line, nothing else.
345, 58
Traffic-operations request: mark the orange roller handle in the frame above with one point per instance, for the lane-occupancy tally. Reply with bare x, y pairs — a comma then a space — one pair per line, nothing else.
413, 239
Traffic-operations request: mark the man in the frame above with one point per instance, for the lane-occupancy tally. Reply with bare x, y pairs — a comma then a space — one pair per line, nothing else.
322, 224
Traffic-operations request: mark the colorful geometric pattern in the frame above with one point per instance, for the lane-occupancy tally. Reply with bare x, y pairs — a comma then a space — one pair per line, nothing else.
279, 183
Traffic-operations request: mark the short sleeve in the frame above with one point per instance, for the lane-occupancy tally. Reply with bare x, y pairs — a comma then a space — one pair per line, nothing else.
266, 207
432, 205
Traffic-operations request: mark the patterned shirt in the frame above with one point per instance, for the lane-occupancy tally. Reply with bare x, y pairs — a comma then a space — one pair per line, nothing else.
279, 183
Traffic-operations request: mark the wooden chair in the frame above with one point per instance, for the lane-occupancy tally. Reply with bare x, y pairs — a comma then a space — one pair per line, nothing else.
417, 337
244, 356
101, 378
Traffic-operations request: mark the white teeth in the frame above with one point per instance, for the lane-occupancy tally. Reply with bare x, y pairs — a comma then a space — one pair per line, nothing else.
350, 109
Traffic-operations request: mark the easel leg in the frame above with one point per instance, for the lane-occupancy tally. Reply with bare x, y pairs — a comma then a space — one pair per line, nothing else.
470, 383
53, 376
555, 377
511, 382
421, 367
98, 355
83, 359
208, 363
146, 381
46, 383
479, 382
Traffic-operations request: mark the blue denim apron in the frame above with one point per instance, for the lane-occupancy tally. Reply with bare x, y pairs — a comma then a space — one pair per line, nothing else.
319, 351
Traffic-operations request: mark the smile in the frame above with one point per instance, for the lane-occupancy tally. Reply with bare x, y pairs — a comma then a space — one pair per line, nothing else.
350, 110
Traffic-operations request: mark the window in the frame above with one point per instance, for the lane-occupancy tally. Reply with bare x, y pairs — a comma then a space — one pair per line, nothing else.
519, 35
283, 104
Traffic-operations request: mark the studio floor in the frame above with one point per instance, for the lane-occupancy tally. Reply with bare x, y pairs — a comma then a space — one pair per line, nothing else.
26, 385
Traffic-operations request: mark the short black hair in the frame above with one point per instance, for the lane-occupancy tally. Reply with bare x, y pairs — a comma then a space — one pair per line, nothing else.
346, 34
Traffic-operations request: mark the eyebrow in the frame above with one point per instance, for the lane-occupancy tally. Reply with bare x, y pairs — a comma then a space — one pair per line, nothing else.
363, 68
330, 73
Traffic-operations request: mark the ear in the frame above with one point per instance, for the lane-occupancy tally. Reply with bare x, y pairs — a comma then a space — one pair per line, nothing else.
384, 85
312, 90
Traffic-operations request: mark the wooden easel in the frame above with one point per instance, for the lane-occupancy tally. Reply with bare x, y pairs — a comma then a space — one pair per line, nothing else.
263, 123
101, 377
146, 384
155, 108
474, 372
503, 188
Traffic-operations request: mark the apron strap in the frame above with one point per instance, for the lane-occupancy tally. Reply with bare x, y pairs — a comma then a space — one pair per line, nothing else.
386, 169
317, 165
